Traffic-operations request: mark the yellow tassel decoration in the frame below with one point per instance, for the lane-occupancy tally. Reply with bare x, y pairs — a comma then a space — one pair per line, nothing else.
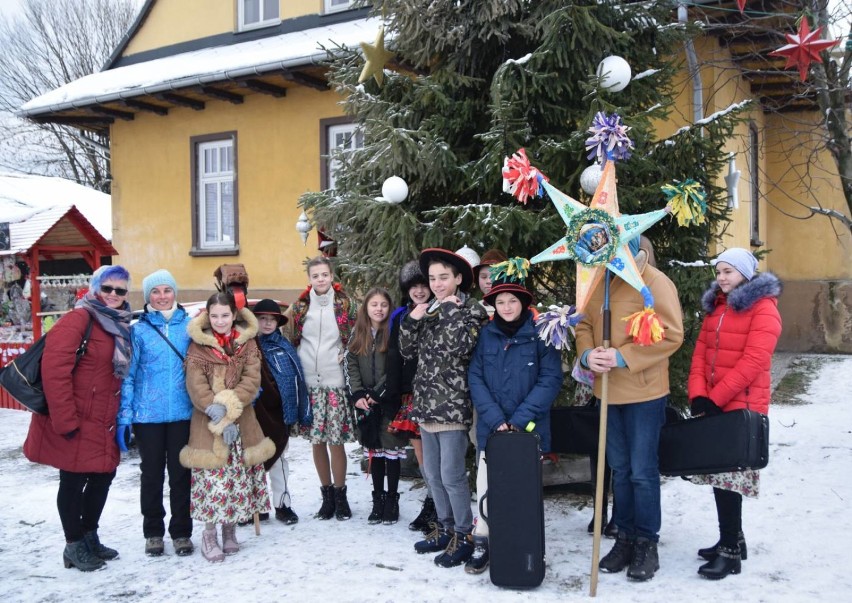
645, 327
687, 201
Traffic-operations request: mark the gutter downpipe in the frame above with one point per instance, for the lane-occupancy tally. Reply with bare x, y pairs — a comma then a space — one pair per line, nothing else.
694, 74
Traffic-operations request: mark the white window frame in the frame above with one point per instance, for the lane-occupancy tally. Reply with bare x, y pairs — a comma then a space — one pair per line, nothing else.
265, 21
336, 6
217, 177
351, 134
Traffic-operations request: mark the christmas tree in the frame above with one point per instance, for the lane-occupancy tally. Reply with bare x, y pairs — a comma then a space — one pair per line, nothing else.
473, 81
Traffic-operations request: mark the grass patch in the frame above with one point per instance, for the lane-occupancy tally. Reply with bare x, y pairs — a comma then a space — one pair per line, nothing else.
794, 384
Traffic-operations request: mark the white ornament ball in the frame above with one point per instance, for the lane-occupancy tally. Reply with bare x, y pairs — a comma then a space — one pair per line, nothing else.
590, 178
615, 73
395, 189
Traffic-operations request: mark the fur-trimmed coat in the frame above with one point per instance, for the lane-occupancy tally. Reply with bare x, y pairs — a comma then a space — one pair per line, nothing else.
232, 381
733, 354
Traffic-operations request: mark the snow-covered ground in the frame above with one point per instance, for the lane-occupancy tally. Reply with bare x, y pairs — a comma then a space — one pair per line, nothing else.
797, 531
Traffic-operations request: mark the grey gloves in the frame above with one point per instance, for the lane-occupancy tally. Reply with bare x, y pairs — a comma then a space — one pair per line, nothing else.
216, 412
230, 434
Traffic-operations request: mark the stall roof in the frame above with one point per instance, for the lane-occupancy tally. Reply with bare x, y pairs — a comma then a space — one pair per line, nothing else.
60, 231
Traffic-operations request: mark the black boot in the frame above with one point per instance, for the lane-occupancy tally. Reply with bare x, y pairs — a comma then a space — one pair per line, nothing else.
619, 556
97, 549
727, 561
478, 561
609, 529
341, 506
391, 512
427, 516
645, 560
710, 553
378, 511
77, 554
327, 509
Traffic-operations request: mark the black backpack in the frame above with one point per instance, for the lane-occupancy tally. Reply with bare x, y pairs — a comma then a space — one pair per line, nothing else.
22, 377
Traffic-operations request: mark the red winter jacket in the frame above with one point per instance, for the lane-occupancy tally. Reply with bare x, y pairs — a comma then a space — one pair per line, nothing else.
733, 353
86, 399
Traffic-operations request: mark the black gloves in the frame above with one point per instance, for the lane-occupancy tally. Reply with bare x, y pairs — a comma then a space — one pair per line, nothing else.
703, 406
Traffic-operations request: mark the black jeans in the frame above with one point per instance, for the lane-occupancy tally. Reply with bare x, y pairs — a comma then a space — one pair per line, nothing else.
81, 501
159, 448
729, 509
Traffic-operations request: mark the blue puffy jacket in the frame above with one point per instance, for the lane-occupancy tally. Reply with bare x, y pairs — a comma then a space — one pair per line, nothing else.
513, 380
154, 390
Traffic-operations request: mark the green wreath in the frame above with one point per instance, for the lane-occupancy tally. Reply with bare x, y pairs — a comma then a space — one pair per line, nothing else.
600, 255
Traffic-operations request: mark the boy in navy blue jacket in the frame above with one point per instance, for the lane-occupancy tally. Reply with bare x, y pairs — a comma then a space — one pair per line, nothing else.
514, 378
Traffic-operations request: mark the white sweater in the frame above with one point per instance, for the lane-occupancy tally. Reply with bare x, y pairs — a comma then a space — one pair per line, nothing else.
320, 349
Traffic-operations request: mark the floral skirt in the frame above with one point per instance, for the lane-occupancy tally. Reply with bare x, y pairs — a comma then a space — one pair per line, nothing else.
402, 423
230, 494
745, 482
334, 417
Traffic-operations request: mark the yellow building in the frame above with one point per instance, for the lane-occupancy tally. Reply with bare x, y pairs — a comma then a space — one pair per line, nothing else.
219, 118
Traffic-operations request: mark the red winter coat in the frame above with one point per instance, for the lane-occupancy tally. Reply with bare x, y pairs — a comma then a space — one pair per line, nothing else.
85, 399
733, 354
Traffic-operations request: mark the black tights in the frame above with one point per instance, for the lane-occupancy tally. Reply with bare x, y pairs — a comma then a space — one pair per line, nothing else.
81, 501
729, 508
379, 467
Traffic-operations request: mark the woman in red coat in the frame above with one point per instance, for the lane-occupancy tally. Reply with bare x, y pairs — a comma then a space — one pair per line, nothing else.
730, 370
78, 436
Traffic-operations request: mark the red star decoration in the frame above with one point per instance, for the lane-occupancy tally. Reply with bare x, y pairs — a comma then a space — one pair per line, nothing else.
804, 48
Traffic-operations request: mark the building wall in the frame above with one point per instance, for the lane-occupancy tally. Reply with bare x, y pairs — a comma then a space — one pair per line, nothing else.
278, 159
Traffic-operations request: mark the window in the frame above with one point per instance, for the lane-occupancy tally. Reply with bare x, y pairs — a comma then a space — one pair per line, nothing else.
754, 186
258, 13
214, 195
338, 134
333, 6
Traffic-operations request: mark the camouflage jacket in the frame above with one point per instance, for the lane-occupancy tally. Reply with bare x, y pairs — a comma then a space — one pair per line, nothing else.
443, 344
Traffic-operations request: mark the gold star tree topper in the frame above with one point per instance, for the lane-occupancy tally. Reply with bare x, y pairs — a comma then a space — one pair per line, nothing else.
376, 55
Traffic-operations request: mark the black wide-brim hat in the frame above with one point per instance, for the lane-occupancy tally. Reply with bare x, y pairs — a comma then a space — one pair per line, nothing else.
519, 291
270, 307
427, 256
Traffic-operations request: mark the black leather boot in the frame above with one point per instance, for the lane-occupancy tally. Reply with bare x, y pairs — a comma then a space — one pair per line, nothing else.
427, 516
378, 511
77, 554
391, 511
727, 561
327, 509
98, 549
341, 506
645, 562
619, 556
710, 553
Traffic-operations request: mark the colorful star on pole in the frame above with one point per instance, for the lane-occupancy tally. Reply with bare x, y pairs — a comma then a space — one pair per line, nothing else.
804, 48
376, 55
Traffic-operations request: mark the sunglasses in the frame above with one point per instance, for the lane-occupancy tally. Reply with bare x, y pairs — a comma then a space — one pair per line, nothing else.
118, 290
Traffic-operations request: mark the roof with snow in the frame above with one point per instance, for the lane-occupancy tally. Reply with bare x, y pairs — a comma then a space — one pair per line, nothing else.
228, 72
59, 232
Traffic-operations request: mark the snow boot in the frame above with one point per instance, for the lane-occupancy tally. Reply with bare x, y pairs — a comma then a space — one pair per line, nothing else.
378, 508
230, 546
154, 546
727, 561
286, 514
341, 505
426, 517
77, 554
478, 561
459, 550
710, 553
391, 511
327, 509
210, 546
183, 546
645, 560
619, 555
436, 540
98, 549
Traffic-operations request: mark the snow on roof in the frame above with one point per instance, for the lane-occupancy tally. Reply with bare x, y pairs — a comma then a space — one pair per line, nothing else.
22, 196
203, 66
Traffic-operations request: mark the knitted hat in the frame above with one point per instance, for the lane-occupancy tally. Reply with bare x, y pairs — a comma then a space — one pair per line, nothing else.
510, 277
489, 258
470, 255
271, 308
410, 275
155, 279
741, 259
446, 256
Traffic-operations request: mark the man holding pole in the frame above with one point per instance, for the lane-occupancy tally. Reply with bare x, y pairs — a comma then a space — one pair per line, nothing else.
637, 389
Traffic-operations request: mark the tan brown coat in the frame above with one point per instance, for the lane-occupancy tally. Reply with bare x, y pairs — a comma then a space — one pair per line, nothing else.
232, 381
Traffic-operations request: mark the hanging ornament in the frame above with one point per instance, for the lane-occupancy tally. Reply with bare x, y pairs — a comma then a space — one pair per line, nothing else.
731, 182
614, 73
520, 179
303, 227
804, 48
609, 138
376, 56
687, 200
394, 190
590, 178
741, 5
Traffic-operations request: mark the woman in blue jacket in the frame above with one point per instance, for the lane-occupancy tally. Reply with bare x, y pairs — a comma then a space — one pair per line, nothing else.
514, 379
155, 402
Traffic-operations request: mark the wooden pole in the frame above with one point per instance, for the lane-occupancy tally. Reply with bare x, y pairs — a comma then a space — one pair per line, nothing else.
599, 479
256, 523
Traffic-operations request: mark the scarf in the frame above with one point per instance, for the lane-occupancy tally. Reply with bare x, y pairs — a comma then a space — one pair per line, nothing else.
116, 323
510, 328
226, 341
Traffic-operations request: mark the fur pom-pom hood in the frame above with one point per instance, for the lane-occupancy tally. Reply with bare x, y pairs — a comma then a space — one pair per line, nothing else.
746, 295
201, 332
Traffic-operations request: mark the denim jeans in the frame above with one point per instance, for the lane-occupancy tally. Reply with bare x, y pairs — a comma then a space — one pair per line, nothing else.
632, 440
444, 462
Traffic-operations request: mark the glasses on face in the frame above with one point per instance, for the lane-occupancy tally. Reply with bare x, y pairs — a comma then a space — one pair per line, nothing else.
106, 289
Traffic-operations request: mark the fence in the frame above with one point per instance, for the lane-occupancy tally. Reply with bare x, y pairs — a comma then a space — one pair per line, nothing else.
8, 351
